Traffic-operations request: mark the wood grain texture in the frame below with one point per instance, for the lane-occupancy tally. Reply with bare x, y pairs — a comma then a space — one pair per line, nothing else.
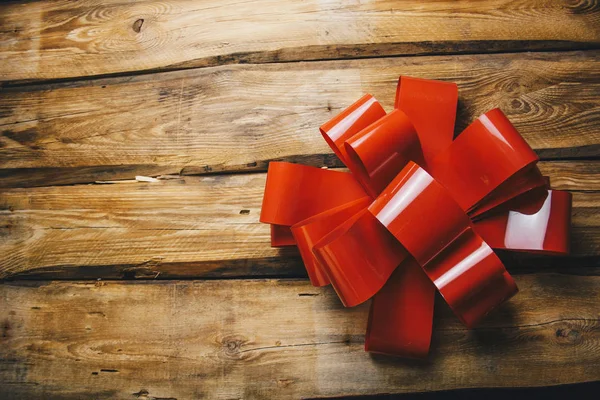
574, 176
93, 95
237, 118
190, 227
57, 39
276, 339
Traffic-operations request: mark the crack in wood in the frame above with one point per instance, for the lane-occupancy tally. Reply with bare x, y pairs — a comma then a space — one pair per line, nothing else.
429, 48
294, 345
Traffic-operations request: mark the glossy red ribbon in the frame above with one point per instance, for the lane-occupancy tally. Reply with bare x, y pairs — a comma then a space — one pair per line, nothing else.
418, 212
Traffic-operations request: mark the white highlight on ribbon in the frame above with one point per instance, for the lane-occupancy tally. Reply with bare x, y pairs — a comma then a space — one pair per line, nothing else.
525, 231
492, 128
403, 197
347, 122
466, 263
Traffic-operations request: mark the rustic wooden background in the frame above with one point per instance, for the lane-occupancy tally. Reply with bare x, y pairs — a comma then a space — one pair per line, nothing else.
114, 287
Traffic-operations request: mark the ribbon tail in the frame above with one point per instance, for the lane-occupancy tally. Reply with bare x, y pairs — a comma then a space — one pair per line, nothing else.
296, 192
401, 315
359, 256
310, 231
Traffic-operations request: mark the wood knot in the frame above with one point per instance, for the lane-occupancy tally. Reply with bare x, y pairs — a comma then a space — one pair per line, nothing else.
582, 7
232, 346
512, 86
137, 25
568, 335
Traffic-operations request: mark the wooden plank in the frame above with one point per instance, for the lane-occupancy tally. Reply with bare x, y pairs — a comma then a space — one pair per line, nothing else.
56, 39
572, 175
276, 339
237, 118
191, 227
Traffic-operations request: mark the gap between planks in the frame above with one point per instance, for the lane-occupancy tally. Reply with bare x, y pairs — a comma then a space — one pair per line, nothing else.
23, 84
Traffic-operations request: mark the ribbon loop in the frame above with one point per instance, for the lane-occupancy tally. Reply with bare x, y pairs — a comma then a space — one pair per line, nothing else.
431, 107
377, 153
308, 232
359, 256
527, 180
432, 227
470, 277
420, 213
538, 222
296, 192
349, 122
485, 155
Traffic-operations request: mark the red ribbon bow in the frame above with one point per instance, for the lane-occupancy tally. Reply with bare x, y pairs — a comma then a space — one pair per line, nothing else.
419, 212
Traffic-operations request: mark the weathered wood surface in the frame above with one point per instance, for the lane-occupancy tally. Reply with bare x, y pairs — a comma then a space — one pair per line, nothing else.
79, 106
191, 226
237, 118
57, 39
276, 339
